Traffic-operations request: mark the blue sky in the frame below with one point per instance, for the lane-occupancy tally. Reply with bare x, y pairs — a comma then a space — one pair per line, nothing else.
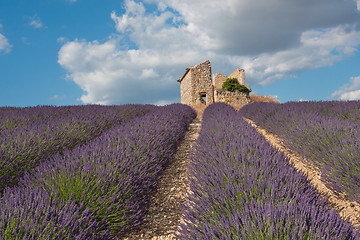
69, 52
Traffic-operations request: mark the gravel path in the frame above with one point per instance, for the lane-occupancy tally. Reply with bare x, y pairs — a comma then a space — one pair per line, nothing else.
165, 212
347, 209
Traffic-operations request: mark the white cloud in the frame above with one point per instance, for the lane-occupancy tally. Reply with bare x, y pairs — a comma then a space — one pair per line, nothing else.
349, 91
109, 75
270, 39
318, 48
165, 102
148, 73
5, 46
250, 27
358, 4
35, 22
162, 6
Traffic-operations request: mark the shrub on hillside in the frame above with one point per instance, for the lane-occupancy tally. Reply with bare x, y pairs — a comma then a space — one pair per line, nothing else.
261, 98
232, 84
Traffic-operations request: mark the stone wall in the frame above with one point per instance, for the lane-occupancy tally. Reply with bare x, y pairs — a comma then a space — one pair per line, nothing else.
196, 85
197, 89
218, 80
235, 98
187, 89
239, 74
202, 83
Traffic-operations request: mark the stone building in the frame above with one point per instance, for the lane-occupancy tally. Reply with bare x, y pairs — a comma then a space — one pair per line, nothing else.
197, 87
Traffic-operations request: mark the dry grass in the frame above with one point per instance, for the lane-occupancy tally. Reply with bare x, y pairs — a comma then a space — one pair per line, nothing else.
237, 106
260, 98
199, 108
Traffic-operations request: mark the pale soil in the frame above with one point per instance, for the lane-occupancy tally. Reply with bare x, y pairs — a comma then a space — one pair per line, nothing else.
165, 213
199, 108
347, 209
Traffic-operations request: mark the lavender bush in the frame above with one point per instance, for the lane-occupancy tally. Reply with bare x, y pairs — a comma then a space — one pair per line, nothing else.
326, 133
108, 182
17, 117
242, 188
29, 136
31, 213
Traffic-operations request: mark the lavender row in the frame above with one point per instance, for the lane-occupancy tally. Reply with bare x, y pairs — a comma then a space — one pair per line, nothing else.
242, 188
52, 130
18, 117
100, 190
326, 133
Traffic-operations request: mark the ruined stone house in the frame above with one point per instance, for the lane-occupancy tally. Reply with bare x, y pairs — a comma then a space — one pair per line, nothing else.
197, 87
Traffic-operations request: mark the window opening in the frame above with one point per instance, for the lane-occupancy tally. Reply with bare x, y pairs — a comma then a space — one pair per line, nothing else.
203, 97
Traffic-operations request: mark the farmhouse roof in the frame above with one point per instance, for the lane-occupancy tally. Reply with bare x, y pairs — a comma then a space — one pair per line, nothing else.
186, 72
189, 68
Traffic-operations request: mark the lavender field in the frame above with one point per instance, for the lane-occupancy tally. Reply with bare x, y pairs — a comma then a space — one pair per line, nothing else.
31, 135
243, 188
326, 133
88, 172
99, 189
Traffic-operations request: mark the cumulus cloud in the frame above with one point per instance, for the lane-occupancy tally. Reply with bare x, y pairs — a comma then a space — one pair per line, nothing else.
350, 91
159, 31
5, 46
270, 39
318, 48
250, 27
109, 75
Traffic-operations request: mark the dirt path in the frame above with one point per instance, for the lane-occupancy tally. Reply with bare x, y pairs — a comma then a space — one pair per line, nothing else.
165, 212
347, 209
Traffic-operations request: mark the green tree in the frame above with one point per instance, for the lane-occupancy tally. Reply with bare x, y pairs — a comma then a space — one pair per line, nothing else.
232, 84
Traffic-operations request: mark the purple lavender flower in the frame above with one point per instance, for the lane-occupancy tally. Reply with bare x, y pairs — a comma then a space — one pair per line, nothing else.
243, 188
107, 182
